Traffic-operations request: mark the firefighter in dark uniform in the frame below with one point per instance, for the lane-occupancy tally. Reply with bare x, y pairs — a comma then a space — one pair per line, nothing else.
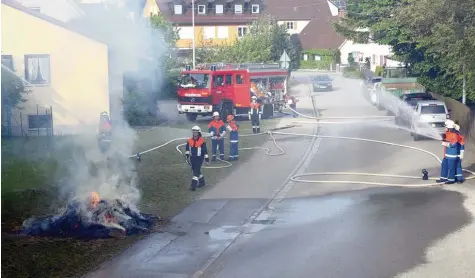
255, 114
195, 153
233, 129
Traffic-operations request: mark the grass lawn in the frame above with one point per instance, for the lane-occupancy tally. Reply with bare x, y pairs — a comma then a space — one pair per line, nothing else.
30, 171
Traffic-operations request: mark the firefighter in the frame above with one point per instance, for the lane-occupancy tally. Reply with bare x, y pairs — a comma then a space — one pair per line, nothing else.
105, 130
292, 102
233, 129
195, 153
461, 150
451, 146
255, 114
217, 130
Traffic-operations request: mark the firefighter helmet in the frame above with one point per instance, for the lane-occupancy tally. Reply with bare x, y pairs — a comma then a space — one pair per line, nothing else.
196, 129
104, 113
254, 97
215, 114
449, 124
229, 118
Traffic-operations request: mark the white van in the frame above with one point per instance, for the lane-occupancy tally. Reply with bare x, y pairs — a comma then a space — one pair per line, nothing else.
429, 116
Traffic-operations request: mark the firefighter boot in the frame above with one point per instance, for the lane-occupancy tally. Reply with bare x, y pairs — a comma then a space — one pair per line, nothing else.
258, 130
194, 183
201, 181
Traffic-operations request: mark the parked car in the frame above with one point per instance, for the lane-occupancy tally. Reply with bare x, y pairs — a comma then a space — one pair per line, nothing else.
428, 115
404, 112
322, 82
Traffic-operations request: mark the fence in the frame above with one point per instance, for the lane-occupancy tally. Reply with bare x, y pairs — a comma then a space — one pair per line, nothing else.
17, 122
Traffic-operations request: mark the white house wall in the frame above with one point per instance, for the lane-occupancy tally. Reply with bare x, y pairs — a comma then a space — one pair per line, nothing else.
300, 24
333, 8
372, 50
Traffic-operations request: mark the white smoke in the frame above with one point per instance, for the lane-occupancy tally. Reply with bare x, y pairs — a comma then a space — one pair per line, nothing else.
136, 48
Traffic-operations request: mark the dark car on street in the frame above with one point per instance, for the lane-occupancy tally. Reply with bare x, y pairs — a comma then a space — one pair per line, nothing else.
322, 82
408, 103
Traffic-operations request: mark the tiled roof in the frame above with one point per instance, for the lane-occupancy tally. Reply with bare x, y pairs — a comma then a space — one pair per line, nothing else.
319, 34
296, 9
15, 5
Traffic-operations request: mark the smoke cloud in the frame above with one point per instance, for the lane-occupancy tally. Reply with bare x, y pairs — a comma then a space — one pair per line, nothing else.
135, 49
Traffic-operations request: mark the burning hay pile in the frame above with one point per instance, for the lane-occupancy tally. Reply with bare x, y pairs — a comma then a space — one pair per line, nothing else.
95, 219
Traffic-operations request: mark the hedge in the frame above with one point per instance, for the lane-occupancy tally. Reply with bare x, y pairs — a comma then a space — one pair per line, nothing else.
328, 57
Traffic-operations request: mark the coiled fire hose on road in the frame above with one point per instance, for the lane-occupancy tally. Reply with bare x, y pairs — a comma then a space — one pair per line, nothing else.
298, 178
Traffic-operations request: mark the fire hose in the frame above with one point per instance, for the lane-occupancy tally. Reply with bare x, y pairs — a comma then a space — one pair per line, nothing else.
299, 177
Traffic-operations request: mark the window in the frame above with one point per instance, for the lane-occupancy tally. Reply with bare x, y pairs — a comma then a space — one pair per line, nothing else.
219, 9
317, 58
35, 9
37, 69
242, 31
433, 109
223, 32
229, 79
239, 79
201, 9
39, 121
255, 9
305, 57
238, 9
218, 81
195, 80
178, 9
291, 25
7, 61
209, 32
185, 32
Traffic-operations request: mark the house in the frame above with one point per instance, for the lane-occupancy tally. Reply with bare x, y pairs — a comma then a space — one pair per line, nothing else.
216, 22
378, 54
310, 20
66, 72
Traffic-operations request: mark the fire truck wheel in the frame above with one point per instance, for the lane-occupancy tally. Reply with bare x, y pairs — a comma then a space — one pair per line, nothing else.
191, 117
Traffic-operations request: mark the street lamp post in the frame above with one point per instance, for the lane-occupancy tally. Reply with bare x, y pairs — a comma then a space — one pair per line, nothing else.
193, 24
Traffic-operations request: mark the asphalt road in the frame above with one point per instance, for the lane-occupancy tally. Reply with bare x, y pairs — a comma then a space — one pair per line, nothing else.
257, 223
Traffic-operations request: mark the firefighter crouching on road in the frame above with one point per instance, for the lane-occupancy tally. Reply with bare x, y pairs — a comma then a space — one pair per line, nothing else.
196, 152
451, 148
461, 150
255, 114
292, 102
233, 129
217, 130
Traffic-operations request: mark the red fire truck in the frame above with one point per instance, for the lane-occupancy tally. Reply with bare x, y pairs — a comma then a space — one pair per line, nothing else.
228, 88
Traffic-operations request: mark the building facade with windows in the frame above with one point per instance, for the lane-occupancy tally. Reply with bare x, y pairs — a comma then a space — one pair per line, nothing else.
216, 22
66, 73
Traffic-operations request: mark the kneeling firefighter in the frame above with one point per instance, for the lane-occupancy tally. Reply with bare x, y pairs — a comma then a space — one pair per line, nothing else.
451, 148
461, 150
217, 130
195, 153
255, 114
233, 129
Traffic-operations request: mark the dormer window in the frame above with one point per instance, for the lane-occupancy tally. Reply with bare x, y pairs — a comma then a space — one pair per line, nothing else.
201, 9
238, 9
178, 9
219, 9
255, 9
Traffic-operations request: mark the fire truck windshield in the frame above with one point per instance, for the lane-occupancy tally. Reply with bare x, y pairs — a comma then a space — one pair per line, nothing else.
195, 80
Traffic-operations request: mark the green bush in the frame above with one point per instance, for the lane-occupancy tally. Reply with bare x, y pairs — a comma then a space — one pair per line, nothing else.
352, 72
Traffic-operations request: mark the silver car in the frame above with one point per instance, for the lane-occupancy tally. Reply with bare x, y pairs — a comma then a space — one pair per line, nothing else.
429, 118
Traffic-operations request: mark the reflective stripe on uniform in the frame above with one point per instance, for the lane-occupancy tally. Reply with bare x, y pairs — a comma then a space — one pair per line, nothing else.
198, 151
451, 155
201, 176
233, 141
195, 178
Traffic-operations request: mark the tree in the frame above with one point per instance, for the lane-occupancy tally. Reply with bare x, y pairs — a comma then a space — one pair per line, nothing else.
13, 89
265, 42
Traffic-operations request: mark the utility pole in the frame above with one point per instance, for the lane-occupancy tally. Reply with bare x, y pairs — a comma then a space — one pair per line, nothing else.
193, 24
464, 84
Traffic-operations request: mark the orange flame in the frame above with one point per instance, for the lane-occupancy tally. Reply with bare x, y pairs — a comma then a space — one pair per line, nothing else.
94, 199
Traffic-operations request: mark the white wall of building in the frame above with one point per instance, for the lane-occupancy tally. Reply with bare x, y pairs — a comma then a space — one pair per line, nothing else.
375, 52
63, 10
333, 8
294, 26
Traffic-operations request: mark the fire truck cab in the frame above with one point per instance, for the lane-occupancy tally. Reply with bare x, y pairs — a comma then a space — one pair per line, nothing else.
228, 88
